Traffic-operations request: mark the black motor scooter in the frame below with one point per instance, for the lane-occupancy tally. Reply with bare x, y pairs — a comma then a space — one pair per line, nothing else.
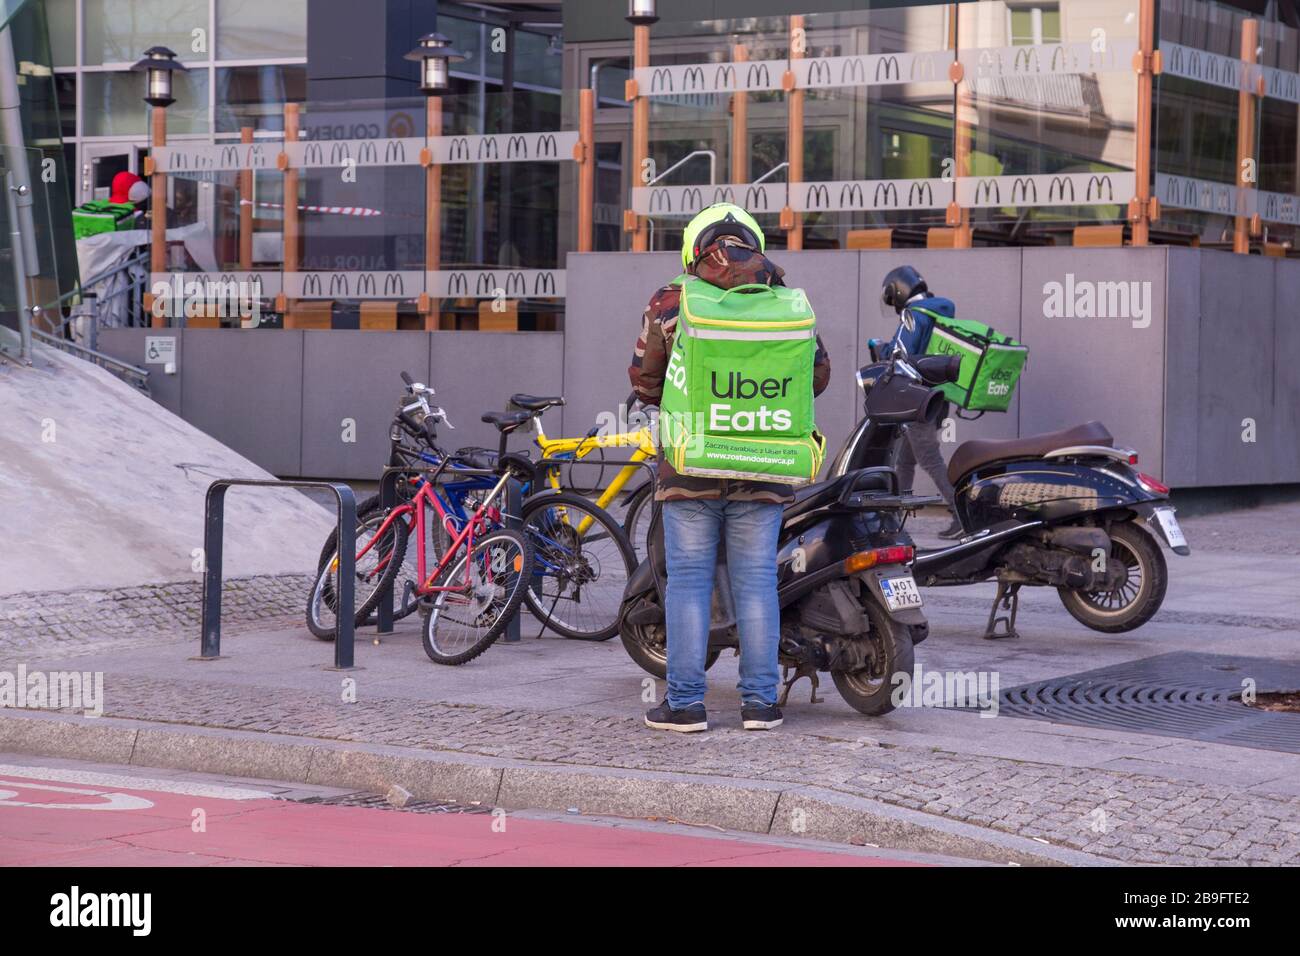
1060, 509
849, 604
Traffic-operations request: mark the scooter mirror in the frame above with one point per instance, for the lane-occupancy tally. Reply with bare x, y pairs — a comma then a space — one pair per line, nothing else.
908, 320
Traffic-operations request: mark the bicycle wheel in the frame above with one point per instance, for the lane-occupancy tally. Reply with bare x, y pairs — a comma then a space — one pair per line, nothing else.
636, 520
463, 621
582, 562
375, 571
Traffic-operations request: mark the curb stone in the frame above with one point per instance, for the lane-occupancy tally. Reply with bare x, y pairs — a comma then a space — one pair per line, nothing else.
732, 804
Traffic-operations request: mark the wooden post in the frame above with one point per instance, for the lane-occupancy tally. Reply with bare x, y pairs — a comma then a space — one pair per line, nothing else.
432, 307
158, 213
1139, 213
957, 217
740, 125
246, 208
1245, 137
640, 131
586, 170
791, 221
290, 223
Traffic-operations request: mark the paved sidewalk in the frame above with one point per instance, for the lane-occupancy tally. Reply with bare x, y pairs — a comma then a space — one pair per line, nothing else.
1121, 796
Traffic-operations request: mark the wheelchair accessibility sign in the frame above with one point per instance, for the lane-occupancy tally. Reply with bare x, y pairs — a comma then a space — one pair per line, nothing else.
159, 349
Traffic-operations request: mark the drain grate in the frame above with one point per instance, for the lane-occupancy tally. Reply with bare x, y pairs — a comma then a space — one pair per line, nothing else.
1185, 694
375, 801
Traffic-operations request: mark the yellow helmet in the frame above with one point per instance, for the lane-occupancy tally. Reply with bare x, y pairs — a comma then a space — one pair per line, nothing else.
720, 219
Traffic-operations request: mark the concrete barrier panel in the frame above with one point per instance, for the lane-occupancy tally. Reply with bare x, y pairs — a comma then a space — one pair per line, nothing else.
1285, 437
607, 294
476, 372
1091, 362
1182, 367
244, 388
1236, 369
356, 376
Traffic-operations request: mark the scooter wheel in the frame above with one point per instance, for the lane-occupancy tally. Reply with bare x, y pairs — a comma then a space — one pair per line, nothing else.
1137, 599
870, 690
646, 645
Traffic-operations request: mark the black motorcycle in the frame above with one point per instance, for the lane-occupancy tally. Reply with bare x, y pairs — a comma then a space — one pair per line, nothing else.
849, 604
1060, 509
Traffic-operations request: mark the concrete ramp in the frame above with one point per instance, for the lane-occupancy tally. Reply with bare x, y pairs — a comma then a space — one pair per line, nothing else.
100, 487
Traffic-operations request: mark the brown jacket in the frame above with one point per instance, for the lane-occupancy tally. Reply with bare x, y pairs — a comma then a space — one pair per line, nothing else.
726, 264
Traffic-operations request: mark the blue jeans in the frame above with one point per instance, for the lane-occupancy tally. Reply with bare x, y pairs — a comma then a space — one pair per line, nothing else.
691, 533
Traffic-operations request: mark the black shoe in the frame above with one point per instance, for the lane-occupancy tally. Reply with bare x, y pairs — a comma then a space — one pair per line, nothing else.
761, 716
689, 720
954, 530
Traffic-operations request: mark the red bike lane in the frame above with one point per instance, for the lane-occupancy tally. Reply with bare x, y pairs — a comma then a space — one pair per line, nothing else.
63, 822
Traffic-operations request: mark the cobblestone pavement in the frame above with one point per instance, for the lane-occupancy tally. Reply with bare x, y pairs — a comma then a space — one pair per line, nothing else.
1131, 817
58, 623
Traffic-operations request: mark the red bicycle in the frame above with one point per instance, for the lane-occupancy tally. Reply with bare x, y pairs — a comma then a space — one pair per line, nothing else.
480, 577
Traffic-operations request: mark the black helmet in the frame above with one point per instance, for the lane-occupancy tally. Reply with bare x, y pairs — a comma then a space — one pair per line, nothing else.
900, 286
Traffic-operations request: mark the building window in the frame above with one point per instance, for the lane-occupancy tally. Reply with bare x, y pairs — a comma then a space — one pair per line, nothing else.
261, 30
1036, 24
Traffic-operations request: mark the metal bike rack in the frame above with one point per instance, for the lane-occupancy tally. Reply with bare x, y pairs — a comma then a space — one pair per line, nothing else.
214, 519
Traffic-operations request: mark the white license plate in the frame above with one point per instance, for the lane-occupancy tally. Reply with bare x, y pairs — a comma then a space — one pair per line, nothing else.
900, 592
1169, 526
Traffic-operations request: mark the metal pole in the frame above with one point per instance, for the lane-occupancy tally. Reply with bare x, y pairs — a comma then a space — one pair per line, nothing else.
432, 211
15, 152
158, 212
214, 516
21, 303
1245, 138
586, 170
1140, 212
344, 636
290, 222
957, 217
740, 126
514, 505
246, 208
791, 221
640, 131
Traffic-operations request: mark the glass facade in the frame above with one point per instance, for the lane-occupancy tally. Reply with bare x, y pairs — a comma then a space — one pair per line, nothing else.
1015, 120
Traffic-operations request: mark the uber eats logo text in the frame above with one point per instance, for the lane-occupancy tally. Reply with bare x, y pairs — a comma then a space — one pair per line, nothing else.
736, 385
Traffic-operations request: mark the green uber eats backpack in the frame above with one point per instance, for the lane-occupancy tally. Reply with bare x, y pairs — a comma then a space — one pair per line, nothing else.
991, 363
102, 215
738, 397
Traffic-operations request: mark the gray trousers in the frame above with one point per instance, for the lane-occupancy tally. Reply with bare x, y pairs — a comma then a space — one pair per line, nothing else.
921, 444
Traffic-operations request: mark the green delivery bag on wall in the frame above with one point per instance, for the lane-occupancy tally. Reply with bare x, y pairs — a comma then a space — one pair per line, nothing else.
738, 399
991, 363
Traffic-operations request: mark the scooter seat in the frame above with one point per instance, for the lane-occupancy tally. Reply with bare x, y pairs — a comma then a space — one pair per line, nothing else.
983, 451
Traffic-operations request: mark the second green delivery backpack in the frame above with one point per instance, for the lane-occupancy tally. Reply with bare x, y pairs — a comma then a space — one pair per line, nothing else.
738, 397
991, 363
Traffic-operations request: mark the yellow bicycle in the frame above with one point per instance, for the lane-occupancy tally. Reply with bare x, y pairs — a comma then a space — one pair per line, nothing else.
636, 520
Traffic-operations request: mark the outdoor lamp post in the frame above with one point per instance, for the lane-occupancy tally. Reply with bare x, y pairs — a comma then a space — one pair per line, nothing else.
435, 55
641, 12
157, 65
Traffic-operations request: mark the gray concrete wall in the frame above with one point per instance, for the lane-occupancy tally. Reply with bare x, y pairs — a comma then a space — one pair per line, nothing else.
1222, 344
319, 403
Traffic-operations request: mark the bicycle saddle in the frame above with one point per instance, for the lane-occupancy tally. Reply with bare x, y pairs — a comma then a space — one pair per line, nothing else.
506, 422
536, 403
